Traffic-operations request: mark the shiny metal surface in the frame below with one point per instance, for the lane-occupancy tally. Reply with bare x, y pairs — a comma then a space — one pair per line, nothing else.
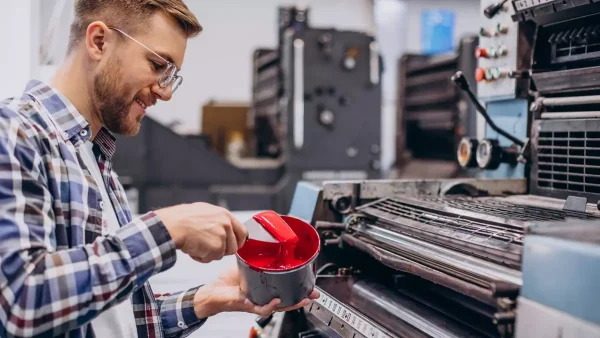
298, 93
454, 263
257, 232
290, 286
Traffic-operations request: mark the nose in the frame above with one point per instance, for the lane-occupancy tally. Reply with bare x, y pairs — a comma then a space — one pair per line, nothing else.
164, 94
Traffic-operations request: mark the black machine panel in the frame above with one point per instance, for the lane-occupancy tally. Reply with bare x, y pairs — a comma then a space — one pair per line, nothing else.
433, 114
567, 55
333, 99
565, 133
265, 102
544, 11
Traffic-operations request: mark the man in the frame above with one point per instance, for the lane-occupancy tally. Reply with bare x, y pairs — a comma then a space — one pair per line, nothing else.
73, 262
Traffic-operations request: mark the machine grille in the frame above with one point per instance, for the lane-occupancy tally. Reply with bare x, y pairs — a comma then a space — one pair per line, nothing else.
491, 228
495, 206
569, 161
455, 222
576, 43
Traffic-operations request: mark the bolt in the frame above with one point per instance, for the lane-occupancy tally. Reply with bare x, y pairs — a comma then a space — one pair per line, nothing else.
375, 149
349, 63
352, 152
326, 117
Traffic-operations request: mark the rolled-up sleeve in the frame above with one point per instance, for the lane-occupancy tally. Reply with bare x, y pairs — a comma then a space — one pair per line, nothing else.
177, 313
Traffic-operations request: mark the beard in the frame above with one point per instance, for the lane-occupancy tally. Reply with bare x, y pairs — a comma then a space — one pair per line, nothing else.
111, 100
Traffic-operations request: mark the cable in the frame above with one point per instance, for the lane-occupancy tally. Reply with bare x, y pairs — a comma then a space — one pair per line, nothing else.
460, 80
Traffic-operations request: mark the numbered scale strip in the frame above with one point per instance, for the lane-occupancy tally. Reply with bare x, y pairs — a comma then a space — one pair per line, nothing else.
526, 4
344, 320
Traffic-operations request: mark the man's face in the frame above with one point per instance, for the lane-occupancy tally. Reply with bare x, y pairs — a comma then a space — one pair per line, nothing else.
127, 80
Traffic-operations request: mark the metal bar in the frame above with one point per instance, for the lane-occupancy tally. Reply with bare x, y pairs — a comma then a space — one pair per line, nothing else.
571, 115
474, 266
401, 264
374, 62
298, 93
572, 100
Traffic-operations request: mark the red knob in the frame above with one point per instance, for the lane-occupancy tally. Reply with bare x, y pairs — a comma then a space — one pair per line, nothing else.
481, 53
479, 74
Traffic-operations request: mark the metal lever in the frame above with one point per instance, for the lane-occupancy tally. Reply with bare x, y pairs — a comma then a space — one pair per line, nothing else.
374, 62
460, 80
298, 94
493, 9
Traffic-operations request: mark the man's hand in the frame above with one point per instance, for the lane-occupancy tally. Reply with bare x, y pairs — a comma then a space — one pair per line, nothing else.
203, 231
224, 295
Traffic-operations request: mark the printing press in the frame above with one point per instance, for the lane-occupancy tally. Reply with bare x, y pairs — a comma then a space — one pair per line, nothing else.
512, 253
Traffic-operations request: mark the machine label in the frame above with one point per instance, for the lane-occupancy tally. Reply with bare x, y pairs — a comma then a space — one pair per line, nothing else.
525, 4
348, 316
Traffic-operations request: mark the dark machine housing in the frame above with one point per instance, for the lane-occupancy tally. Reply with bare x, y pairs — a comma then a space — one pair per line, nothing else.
432, 113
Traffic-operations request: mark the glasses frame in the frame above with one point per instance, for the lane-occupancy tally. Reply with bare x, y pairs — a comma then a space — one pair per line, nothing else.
176, 80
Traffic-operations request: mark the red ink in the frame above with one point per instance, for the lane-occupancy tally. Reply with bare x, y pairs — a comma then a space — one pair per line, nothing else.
299, 244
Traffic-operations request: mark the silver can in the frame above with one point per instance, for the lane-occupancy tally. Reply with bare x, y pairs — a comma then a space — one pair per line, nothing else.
261, 285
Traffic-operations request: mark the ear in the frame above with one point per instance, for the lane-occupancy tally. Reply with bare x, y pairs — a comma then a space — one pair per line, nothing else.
96, 37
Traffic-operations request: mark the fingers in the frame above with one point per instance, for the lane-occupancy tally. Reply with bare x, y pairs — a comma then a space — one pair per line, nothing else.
303, 303
231, 242
241, 234
201, 260
315, 294
266, 310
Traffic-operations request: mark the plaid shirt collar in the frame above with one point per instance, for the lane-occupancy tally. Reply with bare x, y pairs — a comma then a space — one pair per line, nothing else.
68, 120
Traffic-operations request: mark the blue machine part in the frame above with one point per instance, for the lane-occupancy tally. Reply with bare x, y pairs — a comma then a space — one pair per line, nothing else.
437, 31
304, 202
509, 115
562, 274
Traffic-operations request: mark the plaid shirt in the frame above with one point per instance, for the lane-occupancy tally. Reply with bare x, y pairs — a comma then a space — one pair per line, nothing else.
57, 271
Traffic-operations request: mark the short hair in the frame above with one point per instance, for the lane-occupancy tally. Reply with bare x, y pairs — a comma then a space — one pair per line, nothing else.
128, 15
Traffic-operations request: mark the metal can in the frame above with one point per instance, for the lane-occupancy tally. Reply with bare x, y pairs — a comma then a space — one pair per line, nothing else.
261, 285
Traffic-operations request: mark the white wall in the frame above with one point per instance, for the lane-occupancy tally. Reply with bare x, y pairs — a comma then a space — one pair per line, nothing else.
18, 45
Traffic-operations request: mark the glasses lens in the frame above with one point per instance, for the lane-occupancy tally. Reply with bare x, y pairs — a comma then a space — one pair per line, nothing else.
168, 76
176, 84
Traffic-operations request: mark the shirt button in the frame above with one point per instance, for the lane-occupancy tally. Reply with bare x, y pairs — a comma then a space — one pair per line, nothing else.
101, 205
66, 135
180, 324
83, 133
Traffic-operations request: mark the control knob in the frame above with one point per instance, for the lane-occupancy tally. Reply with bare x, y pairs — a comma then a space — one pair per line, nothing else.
466, 152
484, 32
501, 29
490, 74
481, 53
490, 154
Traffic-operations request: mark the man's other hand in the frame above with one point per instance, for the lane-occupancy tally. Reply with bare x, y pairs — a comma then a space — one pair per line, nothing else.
224, 295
